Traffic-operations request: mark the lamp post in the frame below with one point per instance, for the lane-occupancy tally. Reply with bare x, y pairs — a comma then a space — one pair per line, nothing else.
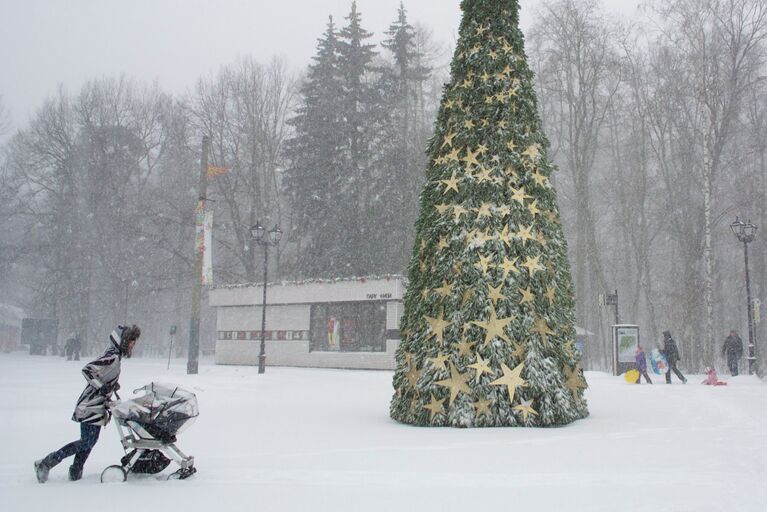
745, 231
257, 233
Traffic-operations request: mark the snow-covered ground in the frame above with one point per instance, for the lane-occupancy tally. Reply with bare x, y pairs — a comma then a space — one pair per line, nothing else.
315, 440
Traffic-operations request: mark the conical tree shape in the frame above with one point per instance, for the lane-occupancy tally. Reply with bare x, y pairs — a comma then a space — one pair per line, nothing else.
488, 332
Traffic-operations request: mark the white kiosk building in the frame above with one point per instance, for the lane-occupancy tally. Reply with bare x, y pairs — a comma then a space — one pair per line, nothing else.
343, 323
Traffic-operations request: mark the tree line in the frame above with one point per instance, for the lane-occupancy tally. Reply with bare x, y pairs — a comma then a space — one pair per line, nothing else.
657, 127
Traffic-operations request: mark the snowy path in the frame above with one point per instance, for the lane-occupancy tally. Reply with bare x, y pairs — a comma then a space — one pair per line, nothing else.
303, 439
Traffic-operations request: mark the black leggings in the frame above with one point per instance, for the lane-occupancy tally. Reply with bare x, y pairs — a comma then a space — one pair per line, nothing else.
81, 448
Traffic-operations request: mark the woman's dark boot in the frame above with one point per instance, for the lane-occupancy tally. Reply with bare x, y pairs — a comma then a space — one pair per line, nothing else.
42, 470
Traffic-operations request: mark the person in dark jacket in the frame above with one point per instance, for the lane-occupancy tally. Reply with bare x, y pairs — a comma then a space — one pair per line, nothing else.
72, 347
733, 348
641, 362
671, 352
76, 347
91, 411
68, 348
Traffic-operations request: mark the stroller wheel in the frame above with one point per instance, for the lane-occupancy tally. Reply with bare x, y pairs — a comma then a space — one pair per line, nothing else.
114, 473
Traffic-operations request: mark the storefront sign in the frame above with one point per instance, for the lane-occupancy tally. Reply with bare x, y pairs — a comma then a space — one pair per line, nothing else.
378, 296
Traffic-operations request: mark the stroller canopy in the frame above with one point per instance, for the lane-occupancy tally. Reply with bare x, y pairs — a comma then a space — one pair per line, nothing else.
163, 410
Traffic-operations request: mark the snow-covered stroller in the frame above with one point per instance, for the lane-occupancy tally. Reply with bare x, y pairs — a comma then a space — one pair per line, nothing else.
148, 426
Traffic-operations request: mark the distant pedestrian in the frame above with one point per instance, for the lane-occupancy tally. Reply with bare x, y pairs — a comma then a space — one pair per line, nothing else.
72, 347
733, 349
671, 352
641, 362
91, 412
76, 347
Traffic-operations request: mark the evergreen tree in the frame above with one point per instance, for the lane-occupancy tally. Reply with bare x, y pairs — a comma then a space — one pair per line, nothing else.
400, 159
489, 326
407, 60
360, 195
313, 179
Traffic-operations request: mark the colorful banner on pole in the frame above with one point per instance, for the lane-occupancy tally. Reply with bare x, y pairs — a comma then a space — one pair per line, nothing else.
216, 171
207, 255
204, 242
199, 239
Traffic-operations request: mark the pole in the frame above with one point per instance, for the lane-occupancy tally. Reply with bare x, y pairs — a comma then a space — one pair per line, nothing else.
262, 353
617, 318
193, 356
751, 341
170, 349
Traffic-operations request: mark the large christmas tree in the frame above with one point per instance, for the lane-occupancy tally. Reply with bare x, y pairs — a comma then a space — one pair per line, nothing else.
488, 331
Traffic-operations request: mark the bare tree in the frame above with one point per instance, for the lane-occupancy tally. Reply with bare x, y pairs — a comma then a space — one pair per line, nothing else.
639, 217
722, 46
579, 76
86, 167
244, 110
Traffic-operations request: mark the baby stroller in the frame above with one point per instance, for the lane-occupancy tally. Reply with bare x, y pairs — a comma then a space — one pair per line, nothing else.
148, 426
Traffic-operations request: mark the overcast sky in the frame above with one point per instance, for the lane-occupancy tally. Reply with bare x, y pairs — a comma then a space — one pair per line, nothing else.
47, 42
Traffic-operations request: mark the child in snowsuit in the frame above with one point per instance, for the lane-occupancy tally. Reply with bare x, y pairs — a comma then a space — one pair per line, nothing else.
91, 411
641, 363
712, 379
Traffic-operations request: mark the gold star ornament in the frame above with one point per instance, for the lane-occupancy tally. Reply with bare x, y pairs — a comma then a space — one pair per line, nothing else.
574, 381
438, 326
482, 407
542, 328
532, 152
481, 367
525, 407
439, 362
413, 375
511, 379
494, 327
533, 265
434, 407
456, 383
450, 184
495, 293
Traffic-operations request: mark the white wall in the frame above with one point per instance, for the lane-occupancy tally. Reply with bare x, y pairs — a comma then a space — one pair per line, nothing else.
296, 353
289, 309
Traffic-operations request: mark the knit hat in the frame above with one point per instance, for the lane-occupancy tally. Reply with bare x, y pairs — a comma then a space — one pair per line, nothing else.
121, 337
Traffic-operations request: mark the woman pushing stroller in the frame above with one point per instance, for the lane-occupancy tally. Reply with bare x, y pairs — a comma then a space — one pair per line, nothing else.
91, 412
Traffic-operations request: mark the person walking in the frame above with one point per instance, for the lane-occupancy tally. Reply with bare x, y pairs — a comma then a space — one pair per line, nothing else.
733, 348
641, 362
76, 346
91, 412
671, 352
72, 347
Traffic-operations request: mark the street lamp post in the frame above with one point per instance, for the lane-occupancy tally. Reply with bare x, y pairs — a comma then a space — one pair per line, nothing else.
257, 233
746, 231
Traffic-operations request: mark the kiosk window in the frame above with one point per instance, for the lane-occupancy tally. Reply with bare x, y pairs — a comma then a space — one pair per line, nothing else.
348, 327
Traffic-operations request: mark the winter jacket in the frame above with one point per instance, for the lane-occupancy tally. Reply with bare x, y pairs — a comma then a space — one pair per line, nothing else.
733, 347
102, 376
670, 350
641, 361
